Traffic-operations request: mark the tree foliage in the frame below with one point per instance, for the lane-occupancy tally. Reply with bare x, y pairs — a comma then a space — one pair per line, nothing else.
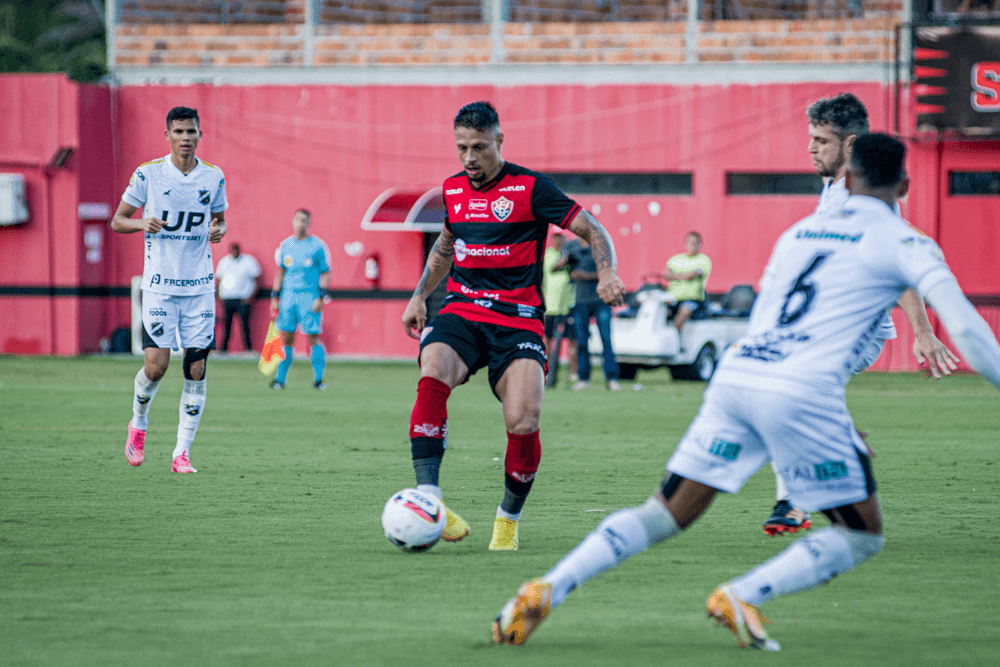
53, 36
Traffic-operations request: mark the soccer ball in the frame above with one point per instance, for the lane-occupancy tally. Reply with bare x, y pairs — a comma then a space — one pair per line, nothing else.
413, 520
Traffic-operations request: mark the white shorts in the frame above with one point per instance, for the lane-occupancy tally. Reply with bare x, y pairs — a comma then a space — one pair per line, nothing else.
178, 321
812, 442
870, 355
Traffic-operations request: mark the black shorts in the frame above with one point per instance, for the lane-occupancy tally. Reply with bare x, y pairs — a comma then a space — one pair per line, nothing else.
482, 345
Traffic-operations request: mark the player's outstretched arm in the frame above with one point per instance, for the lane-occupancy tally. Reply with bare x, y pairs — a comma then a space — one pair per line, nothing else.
926, 346
970, 333
439, 261
124, 223
609, 286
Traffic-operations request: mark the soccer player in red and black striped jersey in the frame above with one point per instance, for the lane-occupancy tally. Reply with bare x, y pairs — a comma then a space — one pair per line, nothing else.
491, 249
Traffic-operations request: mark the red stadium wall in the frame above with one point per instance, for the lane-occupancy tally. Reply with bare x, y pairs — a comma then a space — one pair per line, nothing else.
333, 149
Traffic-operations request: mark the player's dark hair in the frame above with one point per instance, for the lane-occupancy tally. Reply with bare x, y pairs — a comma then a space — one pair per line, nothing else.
878, 158
843, 113
306, 213
182, 113
481, 116
694, 234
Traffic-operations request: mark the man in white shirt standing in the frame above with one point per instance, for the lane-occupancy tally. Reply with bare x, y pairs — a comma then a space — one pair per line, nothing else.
779, 394
237, 274
183, 201
834, 124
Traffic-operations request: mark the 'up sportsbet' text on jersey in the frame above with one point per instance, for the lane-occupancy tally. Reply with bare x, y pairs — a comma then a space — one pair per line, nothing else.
178, 258
824, 291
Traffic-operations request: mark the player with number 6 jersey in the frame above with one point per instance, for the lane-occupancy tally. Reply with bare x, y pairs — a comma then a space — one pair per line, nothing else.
778, 394
183, 203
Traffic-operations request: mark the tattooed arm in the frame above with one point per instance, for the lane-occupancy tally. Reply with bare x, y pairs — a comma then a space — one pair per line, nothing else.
609, 286
439, 262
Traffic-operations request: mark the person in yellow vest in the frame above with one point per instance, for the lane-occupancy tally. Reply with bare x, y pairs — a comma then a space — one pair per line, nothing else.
559, 299
688, 273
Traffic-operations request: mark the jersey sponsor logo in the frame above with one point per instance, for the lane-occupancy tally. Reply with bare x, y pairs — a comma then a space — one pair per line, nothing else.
458, 207
454, 191
513, 188
830, 470
726, 450
478, 204
477, 216
824, 235
206, 314
193, 220
471, 292
157, 312
204, 196
156, 279
156, 329
502, 208
483, 303
463, 251
524, 310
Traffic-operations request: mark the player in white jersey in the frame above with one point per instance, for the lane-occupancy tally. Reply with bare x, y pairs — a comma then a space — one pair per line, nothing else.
183, 202
778, 394
834, 123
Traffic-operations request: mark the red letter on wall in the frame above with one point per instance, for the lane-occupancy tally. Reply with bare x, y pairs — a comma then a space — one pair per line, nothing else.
986, 86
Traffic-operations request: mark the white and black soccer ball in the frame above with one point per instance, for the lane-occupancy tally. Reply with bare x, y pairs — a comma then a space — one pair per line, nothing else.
413, 520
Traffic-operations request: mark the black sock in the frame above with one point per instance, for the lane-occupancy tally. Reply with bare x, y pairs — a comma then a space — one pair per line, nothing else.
514, 494
427, 470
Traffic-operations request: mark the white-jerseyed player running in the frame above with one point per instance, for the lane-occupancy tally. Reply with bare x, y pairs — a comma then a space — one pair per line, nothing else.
778, 394
834, 123
183, 201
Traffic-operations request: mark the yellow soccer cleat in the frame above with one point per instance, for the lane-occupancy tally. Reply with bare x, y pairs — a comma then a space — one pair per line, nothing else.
522, 615
504, 535
744, 620
456, 528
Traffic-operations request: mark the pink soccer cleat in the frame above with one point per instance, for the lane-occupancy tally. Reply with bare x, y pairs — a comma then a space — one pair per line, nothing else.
182, 464
133, 445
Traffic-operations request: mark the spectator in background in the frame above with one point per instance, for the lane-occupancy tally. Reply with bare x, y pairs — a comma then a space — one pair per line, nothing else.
559, 298
579, 257
688, 273
237, 275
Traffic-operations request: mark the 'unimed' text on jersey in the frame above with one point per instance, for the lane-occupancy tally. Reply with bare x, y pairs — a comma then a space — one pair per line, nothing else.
178, 258
824, 291
500, 233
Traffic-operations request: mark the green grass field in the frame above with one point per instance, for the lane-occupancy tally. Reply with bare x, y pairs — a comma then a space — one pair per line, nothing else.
273, 553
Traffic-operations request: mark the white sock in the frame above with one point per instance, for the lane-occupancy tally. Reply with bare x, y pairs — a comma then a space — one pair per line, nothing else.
145, 390
191, 408
780, 488
807, 563
432, 489
508, 515
619, 537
